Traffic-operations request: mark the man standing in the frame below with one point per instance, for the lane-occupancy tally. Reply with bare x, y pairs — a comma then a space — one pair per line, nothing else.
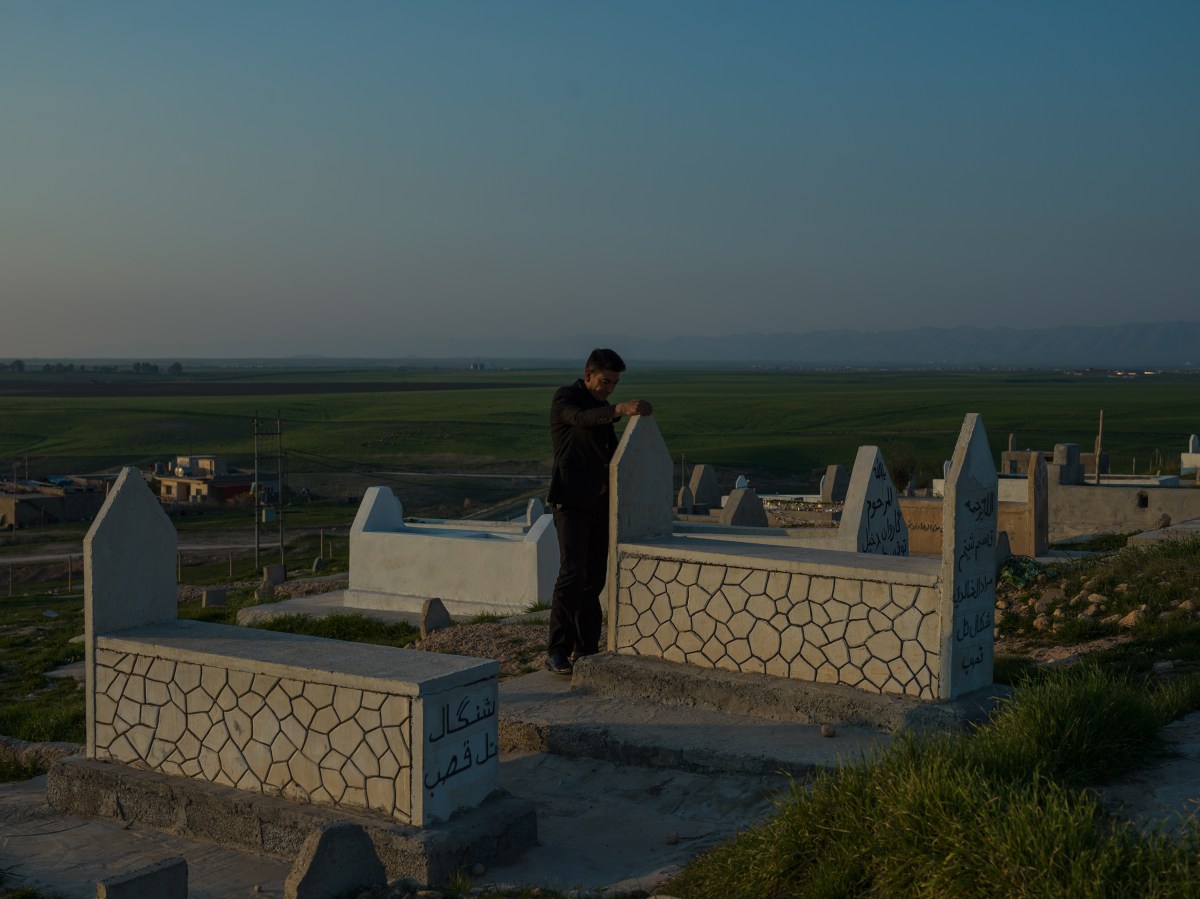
581, 429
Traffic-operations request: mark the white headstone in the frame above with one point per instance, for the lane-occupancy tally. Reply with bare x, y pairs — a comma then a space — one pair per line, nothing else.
640, 478
534, 510
705, 489
871, 520
741, 482
379, 511
969, 563
640, 481
685, 501
129, 560
946, 469
1194, 444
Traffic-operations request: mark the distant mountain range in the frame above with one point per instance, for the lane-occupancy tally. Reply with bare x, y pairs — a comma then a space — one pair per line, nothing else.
1147, 345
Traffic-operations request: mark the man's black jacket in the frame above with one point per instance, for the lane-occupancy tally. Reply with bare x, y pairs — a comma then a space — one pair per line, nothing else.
581, 429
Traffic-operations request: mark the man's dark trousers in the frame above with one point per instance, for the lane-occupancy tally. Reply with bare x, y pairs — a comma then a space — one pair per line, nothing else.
575, 615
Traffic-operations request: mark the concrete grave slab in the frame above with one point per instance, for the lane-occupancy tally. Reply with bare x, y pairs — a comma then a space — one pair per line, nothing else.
167, 879
473, 567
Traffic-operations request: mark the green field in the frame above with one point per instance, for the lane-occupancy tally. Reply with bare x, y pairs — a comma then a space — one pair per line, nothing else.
777, 426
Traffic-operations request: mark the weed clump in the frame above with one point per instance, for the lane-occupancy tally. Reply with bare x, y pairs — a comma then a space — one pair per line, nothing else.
998, 812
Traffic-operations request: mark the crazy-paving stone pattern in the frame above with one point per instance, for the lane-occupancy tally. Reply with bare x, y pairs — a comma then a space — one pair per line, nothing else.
308, 742
874, 636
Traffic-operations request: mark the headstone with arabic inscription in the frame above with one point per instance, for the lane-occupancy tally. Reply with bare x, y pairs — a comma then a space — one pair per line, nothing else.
871, 518
968, 564
460, 761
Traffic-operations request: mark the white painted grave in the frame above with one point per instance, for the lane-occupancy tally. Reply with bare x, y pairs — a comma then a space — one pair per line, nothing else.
473, 567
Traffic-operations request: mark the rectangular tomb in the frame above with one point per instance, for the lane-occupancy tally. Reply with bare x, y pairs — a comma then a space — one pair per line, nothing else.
408, 734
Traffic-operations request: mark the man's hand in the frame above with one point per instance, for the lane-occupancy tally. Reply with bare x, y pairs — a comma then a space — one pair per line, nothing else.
633, 407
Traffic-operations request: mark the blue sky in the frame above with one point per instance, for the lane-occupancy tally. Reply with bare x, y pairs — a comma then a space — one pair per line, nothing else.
363, 177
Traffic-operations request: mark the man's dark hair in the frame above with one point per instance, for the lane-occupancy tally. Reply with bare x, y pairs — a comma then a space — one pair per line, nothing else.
604, 360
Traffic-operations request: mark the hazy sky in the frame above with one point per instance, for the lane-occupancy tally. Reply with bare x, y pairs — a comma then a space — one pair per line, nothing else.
183, 178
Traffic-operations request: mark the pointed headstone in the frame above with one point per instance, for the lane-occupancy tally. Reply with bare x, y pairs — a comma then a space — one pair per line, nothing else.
1194, 444
705, 489
685, 501
744, 509
1012, 442
741, 482
871, 518
835, 484
968, 564
129, 557
379, 510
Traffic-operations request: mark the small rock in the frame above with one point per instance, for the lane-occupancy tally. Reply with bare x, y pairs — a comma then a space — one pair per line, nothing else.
1059, 612
1111, 619
49, 613
428, 894
1163, 667
1053, 594
1042, 623
1121, 588
1092, 611
1084, 616
1188, 605
828, 730
478, 870
672, 839
1136, 617
1097, 597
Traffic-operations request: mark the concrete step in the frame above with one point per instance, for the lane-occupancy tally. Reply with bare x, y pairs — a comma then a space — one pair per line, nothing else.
540, 712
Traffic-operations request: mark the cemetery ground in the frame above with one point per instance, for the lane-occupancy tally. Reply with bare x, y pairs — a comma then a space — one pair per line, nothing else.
1104, 651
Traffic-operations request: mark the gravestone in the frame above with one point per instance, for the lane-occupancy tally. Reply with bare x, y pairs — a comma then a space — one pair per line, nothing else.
1038, 499
1067, 464
274, 575
434, 617
835, 484
214, 597
969, 563
744, 509
741, 482
335, 860
129, 560
1194, 444
871, 519
1012, 442
705, 489
685, 501
534, 510
639, 483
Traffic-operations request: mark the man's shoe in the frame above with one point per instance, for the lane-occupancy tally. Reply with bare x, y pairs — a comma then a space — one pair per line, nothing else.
558, 663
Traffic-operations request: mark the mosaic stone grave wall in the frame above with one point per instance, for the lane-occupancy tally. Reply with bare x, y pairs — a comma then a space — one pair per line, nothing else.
875, 636
309, 742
